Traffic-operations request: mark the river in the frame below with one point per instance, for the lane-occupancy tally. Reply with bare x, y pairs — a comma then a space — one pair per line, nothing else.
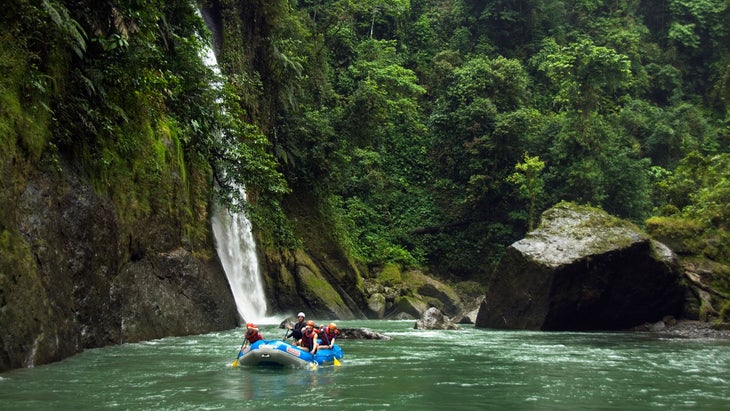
467, 369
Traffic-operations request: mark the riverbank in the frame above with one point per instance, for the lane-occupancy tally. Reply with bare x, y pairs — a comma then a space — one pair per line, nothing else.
685, 329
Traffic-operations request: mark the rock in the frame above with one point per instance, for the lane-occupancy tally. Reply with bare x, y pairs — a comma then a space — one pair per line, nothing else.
408, 305
703, 300
582, 270
445, 296
685, 329
84, 275
297, 279
410, 298
377, 304
470, 312
171, 293
361, 334
433, 319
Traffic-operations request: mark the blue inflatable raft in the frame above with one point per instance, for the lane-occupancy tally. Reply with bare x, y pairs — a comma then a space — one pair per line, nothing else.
281, 353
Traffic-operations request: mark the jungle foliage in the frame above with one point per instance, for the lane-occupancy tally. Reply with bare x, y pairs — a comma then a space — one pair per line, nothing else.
433, 132
439, 130
121, 90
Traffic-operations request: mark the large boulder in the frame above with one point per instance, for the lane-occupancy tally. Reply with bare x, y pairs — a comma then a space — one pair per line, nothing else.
412, 306
582, 269
434, 319
377, 304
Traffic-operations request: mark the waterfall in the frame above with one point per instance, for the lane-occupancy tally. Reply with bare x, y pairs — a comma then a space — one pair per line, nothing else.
237, 252
236, 247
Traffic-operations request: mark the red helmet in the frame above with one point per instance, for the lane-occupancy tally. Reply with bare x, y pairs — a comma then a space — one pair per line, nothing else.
332, 326
310, 323
250, 325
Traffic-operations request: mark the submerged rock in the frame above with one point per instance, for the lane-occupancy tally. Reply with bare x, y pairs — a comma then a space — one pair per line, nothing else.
582, 269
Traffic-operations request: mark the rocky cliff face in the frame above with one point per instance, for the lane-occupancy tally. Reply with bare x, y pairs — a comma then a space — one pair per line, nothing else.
582, 270
74, 275
296, 281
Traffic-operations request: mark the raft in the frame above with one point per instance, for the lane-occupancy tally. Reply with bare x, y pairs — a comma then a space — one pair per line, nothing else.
281, 353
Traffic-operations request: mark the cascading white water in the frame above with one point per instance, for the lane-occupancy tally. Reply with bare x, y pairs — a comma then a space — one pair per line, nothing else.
237, 251
236, 248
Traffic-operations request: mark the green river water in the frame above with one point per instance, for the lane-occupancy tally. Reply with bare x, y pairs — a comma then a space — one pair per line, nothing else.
468, 369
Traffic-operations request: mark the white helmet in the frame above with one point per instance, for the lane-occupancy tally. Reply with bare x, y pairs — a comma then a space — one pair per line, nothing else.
301, 315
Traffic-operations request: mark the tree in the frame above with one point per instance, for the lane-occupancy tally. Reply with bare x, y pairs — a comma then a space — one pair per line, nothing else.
587, 77
589, 83
383, 136
528, 180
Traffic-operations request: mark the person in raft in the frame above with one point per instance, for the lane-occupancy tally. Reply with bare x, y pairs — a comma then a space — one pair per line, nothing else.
328, 335
309, 337
252, 334
296, 330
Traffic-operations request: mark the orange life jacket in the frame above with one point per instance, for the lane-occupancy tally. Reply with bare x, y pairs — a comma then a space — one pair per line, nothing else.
253, 336
308, 338
327, 335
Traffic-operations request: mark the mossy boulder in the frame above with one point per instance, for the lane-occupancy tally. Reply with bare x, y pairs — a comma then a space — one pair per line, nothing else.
437, 293
377, 304
412, 306
582, 269
392, 284
390, 275
707, 299
682, 235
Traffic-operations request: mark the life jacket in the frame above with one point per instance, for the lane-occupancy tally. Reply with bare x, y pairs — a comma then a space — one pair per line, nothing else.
308, 337
327, 336
252, 337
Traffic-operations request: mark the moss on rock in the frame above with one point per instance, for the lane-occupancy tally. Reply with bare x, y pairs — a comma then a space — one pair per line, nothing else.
390, 275
317, 290
409, 305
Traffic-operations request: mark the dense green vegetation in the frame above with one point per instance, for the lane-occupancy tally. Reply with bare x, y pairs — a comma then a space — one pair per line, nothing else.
121, 91
431, 132
439, 130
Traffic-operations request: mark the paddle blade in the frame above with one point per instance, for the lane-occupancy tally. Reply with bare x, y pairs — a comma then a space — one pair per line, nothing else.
235, 363
337, 362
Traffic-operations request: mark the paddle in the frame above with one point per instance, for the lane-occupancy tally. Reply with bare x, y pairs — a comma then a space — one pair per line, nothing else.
313, 364
336, 362
235, 362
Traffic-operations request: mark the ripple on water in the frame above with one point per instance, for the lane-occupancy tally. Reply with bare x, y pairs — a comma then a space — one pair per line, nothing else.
416, 369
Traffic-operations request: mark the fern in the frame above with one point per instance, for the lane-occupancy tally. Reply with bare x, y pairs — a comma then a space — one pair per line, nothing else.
71, 28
